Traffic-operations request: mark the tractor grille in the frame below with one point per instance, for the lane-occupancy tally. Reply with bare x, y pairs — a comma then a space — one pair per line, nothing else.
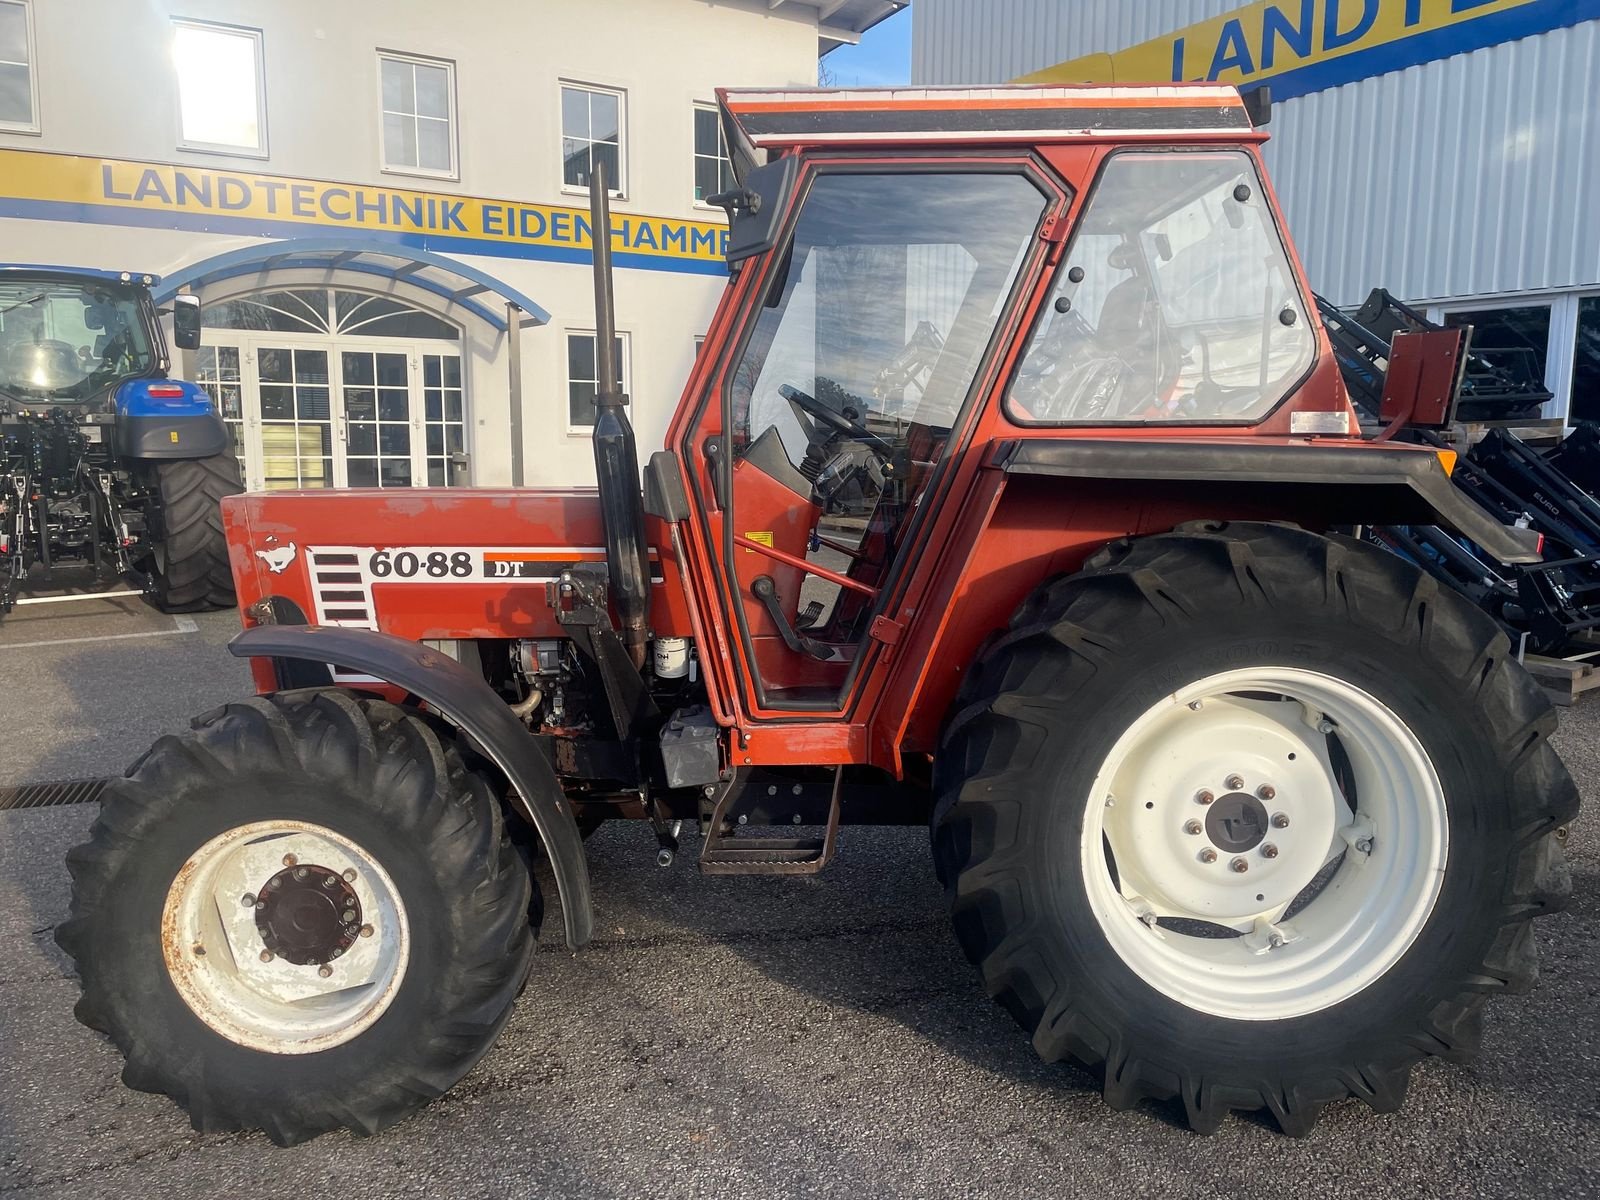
50, 795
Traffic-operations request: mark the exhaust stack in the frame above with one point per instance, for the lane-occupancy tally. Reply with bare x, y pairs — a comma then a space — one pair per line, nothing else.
616, 456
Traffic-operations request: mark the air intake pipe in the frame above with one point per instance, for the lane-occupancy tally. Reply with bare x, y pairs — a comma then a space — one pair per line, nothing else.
616, 457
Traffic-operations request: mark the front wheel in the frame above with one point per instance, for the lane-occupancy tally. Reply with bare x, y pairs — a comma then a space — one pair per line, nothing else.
1250, 818
189, 556
301, 916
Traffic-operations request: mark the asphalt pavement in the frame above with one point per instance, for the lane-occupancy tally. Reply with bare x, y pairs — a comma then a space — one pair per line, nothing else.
724, 1037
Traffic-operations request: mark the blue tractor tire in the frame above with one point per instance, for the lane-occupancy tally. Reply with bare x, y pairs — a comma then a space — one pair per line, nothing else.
189, 569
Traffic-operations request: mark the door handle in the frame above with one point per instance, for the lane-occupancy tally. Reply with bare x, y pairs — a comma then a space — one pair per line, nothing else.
718, 470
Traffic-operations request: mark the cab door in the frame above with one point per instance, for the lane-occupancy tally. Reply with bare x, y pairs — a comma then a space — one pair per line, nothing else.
836, 397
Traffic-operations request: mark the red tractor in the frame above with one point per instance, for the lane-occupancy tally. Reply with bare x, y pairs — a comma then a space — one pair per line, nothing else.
1004, 496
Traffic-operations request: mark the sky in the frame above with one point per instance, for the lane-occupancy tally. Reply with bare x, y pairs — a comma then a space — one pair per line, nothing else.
882, 59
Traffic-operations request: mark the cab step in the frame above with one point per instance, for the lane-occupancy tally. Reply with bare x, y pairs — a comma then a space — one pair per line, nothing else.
723, 853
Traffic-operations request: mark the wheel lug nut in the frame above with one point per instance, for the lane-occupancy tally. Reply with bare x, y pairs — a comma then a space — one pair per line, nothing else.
1234, 782
324, 970
348, 916
1280, 820
1239, 866
1208, 855
261, 906
289, 860
266, 956
1204, 796
1268, 850
248, 900
1192, 826
301, 872
1266, 791
350, 875
366, 931
328, 881
1325, 726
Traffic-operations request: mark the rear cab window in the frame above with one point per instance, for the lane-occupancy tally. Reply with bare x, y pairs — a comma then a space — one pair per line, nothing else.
1175, 302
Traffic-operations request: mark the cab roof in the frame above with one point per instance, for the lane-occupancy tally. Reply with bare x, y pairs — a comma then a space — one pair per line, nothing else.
11, 270
771, 119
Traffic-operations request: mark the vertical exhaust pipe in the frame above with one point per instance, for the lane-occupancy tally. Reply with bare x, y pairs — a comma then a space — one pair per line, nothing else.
616, 457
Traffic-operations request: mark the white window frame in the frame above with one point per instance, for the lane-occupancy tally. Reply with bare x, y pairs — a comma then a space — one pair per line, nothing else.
33, 71
626, 339
619, 185
695, 156
389, 168
259, 40
1560, 345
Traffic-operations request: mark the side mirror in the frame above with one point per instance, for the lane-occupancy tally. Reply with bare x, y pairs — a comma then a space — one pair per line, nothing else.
755, 209
186, 322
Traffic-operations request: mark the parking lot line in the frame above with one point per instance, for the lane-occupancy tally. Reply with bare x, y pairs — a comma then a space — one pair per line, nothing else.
180, 625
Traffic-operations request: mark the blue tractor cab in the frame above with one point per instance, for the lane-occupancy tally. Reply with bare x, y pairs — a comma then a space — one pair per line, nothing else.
107, 462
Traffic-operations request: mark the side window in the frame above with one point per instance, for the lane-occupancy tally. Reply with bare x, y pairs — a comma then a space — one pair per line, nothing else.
583, 377
19, 90
418, 96
222, 103
1175, 302
713, 172
592, 122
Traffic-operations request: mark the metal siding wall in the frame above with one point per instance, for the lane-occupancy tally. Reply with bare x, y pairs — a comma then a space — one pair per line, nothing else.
991, 41
1464, 176
1471, 175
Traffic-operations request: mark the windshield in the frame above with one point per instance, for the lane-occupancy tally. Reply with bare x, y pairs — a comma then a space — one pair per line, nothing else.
69, 341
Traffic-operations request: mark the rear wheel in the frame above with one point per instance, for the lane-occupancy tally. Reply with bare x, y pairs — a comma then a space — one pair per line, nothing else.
1250, 818
301, 916
189, 560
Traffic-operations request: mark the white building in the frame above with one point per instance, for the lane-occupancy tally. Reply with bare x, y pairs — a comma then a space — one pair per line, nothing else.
367, 194
1448, 150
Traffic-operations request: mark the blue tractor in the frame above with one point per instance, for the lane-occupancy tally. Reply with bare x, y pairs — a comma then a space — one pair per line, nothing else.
106, 462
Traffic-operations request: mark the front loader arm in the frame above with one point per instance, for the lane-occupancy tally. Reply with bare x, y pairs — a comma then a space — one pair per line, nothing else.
448, 688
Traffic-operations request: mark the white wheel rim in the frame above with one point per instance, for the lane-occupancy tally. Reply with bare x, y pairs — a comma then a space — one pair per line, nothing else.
1256, 958
216, 944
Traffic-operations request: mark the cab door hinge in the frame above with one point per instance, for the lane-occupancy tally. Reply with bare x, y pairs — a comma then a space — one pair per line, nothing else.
886, 631
1054, 233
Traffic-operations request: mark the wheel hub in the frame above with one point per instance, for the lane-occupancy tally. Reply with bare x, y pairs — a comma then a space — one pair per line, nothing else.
285, 936
1236, 823
1217, 810
308, 915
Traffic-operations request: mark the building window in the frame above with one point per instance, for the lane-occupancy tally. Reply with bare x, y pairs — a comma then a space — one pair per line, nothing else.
713, 172
591, 132
1586, 362
222, 104
582, 375
19, 99
418, 96
1516, 340
446, 419
217, 371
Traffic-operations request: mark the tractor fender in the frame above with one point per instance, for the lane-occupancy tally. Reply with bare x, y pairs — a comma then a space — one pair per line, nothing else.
1338, 483
167, 419
456, 693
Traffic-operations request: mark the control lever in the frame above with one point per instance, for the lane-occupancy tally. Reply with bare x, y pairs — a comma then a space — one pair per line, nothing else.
764, 590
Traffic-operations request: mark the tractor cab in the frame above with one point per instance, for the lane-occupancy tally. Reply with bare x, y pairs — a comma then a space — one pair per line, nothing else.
1055, 264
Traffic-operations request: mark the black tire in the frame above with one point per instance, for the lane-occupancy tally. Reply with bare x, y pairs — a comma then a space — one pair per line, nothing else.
189, 561
374, 773
1087, 654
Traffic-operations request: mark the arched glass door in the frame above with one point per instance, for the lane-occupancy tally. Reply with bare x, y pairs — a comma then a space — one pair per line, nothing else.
329, 387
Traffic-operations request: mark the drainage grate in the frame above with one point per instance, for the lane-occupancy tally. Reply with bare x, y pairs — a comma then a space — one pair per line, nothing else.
49, 795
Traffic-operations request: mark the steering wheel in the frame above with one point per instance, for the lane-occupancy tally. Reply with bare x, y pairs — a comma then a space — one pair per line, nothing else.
836, 421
